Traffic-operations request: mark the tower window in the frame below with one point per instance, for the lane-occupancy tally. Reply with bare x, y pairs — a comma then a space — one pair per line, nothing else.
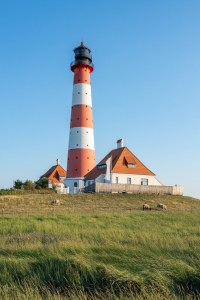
86, 118
77, 132
76, 169
77, 118
86, 131
79, 69
78, 105
85, 79
77, 157
86, 93
76, 144
78, 92
86, 105
87, 145
79, 80
85, 70
87, 157
88, 169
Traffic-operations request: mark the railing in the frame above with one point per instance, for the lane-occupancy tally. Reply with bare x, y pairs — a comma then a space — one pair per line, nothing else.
73, 63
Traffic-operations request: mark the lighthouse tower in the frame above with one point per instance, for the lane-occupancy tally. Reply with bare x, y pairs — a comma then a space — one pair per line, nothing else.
81, 153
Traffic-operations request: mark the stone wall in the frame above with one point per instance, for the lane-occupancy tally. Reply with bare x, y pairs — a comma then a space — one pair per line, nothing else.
134, 189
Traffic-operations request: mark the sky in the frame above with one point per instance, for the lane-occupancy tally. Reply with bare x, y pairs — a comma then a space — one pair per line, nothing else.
145, 84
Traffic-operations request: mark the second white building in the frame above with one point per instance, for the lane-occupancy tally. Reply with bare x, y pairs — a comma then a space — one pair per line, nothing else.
126, 168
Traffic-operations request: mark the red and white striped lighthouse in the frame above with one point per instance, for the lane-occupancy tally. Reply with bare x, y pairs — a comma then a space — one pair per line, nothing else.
81, 153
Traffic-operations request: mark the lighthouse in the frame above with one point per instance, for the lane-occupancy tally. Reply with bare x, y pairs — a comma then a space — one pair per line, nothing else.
81, 152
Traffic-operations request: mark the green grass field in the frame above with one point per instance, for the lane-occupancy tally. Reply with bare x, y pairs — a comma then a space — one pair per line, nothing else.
99, 246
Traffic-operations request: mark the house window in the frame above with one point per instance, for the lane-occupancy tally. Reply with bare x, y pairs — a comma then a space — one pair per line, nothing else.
128, 180
131, 165
101, 166
116, 179
75, 184
144, 181
62, 178
88, 182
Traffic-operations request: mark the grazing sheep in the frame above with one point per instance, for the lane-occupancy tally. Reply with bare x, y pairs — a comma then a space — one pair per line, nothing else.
55, 202
146, 206
162, 206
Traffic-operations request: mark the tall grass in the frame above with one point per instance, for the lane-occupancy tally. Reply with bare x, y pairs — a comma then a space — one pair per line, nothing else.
136, 256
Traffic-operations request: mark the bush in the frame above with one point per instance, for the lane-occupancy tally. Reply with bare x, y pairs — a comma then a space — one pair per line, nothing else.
18, 184
28, 185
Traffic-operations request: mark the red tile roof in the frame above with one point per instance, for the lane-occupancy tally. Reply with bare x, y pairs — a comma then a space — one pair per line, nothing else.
54, 173
130, 160
120, 158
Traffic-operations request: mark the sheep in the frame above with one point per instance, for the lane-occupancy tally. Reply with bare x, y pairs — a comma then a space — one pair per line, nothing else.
146, 206
164, 207
55, 202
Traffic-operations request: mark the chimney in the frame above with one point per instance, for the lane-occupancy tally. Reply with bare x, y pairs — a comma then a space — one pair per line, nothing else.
58, 161
120, 143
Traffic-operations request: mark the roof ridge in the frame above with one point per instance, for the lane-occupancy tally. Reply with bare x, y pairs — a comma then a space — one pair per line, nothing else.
118, 157
48, 171
62, 167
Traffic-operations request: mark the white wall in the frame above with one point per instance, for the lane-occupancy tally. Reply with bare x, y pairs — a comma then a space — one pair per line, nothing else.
59, 184
122, 179
135, 178
70, 183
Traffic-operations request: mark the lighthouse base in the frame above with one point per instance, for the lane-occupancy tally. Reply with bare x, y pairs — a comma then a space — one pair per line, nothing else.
74, 184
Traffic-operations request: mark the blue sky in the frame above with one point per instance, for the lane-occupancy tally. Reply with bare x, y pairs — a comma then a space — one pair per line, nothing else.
145, 84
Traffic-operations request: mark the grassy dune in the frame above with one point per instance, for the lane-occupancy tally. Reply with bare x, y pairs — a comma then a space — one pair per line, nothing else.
92, 203
77, 254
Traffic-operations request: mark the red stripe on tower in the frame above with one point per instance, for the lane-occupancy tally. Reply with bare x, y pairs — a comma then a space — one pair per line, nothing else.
81, 153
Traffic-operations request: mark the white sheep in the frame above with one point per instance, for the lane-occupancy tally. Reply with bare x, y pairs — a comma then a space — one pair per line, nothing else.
146, 206
164, 207
55, 202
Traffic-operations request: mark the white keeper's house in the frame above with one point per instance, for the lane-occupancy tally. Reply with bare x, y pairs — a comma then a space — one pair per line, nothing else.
126, 168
